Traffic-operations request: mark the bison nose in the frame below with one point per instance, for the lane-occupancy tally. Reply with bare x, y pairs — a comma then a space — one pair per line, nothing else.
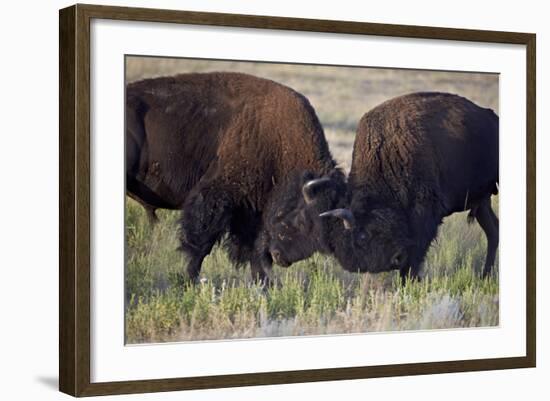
276, 255
399, 259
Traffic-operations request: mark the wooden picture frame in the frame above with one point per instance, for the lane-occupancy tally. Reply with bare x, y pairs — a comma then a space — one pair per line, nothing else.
74, 203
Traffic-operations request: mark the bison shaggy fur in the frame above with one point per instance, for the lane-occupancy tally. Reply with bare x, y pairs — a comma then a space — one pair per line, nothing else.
417, 159
218, 146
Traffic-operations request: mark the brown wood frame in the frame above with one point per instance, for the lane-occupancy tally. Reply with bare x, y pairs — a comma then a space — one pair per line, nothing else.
74, 199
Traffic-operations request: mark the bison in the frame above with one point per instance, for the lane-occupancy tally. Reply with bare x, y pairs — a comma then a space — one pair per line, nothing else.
416, 159
220, 146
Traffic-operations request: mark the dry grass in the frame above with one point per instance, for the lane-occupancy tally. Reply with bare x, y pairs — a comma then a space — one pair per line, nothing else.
312, 297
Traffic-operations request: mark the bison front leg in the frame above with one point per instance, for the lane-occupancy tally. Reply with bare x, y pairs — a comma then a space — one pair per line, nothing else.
424, 234
410, 272
260, 268
261, 263
205, 217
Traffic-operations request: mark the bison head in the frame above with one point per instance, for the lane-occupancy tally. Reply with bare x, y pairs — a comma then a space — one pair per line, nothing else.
294, 227
311, 214
379, 241
378, 237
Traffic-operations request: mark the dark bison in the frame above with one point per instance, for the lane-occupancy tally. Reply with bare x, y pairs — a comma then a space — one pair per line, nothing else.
416, 159
219, 146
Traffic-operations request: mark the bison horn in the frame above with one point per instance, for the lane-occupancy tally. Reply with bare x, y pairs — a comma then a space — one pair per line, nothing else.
345, 214
310, 186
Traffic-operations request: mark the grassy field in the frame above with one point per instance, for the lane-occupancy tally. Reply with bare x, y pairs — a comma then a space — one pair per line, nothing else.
314, 296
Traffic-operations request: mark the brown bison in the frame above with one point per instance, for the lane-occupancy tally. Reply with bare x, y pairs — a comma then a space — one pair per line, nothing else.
416, 159
219, 146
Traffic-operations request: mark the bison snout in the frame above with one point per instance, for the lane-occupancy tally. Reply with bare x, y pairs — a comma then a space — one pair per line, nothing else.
277, 258
399, 259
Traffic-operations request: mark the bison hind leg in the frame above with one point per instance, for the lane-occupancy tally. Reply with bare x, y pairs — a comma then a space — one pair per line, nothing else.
152, 215
150, 210
489, 223
472, 215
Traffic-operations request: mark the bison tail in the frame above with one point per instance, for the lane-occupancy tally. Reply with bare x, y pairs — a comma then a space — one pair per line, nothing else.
495, 188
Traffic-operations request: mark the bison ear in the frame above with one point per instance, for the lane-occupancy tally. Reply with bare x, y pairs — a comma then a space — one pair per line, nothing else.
311, 188
345, 214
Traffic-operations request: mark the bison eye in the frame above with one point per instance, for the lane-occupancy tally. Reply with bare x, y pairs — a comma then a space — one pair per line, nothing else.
362, 235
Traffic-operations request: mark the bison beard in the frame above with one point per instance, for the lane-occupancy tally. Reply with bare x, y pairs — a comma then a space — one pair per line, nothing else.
218, 146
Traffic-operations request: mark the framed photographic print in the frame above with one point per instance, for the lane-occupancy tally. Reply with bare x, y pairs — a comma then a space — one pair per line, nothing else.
250, 200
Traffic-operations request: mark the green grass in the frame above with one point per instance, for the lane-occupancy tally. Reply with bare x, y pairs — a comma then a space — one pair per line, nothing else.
312, 297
